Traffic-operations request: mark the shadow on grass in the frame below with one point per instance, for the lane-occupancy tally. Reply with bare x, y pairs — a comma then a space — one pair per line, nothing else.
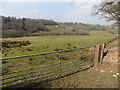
42, 84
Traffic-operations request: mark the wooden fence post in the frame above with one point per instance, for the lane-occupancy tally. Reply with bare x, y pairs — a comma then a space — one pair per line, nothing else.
97, 55
101, 53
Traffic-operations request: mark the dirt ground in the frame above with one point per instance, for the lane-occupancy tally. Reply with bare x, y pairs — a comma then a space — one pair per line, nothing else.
110, 61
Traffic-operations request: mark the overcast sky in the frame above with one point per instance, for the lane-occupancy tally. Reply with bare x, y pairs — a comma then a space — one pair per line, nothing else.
67, 11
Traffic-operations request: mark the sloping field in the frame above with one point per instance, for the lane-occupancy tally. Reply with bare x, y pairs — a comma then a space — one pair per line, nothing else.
41, 44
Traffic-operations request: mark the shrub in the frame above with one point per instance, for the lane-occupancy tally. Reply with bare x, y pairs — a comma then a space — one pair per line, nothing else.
31, 59
3, 62
74, 46
10, 44
57, 49
12, 33
69, 44
81, 33
67, 33
64, 58
5, 70
28, 49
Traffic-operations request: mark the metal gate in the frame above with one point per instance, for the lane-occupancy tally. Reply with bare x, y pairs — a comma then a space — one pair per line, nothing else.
23, 70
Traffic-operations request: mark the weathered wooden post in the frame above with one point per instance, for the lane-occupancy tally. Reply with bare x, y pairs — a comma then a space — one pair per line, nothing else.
97, 55
101, 53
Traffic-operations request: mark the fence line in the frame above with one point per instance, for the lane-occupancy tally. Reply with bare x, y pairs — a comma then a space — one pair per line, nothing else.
50, 75
38, 61
45, 53
47, 68
30, 73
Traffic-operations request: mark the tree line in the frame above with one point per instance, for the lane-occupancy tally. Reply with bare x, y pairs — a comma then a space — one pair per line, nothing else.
19, 27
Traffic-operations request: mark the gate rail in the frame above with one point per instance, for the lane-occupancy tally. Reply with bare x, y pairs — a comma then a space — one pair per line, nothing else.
60, 65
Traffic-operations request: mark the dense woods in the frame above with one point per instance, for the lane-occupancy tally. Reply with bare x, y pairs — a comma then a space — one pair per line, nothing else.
18, 27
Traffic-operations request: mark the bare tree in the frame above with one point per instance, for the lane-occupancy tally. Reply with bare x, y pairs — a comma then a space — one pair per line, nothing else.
108, 9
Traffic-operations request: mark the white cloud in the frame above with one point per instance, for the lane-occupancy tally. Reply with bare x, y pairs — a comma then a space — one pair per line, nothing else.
31, 13
13, 0
82, 13
50, 0
1, 10
35, 0
87, 0
79, 13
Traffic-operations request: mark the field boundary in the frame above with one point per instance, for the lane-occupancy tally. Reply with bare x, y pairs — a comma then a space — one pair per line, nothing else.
72, 60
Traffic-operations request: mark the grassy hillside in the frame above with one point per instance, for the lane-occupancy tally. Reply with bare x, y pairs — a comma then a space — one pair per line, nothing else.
54, 30
75, 29
100, 33
41, 44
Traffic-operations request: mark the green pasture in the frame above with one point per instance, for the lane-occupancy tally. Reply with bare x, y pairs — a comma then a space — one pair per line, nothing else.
42, 44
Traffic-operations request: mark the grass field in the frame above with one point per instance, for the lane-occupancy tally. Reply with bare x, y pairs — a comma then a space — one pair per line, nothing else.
42, 44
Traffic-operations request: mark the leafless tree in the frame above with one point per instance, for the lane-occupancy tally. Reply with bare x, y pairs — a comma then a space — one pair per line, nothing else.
108, 9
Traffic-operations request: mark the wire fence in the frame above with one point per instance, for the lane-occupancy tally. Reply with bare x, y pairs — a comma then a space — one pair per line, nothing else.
21, 71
